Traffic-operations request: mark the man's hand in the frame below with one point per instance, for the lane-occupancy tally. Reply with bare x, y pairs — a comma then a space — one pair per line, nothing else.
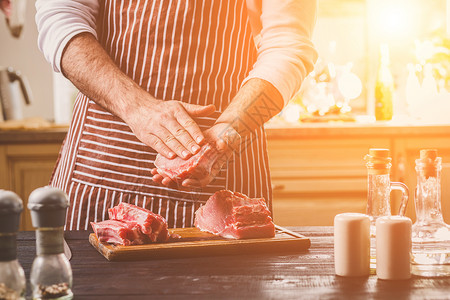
5, 6
226, 140
168, 127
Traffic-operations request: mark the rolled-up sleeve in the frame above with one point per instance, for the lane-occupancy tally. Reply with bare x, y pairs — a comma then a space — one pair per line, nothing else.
60, 20
285, 52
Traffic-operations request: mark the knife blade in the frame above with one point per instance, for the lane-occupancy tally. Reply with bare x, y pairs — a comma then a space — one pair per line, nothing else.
67, 251
284, 230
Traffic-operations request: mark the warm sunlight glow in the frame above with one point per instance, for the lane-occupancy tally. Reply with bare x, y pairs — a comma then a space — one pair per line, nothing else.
394, 19
350, 86
397, 21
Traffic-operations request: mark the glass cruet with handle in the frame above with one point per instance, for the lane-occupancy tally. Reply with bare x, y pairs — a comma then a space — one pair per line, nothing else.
378, 163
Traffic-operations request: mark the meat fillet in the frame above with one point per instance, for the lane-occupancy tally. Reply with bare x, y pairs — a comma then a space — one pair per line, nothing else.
150, 224
236, 216
119, 233
179, 169
131, 225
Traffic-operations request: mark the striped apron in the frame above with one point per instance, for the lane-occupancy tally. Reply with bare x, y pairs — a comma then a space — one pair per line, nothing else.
195, 51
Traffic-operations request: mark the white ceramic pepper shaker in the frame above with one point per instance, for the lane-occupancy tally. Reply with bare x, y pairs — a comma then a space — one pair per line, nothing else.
352, 244
393, 247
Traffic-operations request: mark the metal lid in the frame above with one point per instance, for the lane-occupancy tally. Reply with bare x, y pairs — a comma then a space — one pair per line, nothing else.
10, 208
48, 206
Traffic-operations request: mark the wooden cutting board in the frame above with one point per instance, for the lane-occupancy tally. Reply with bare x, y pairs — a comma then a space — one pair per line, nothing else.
195, 243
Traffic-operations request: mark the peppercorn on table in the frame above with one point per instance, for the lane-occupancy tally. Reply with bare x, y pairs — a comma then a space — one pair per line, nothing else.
304, 275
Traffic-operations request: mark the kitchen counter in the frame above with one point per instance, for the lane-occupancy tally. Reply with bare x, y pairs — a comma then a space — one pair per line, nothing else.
31, 130
41, 136
274, 131
348, 129
306, 275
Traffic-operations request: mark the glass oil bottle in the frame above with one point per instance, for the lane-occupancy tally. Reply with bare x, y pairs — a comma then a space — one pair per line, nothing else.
379, 188
384, 87
51, 274
430, 234
12, 276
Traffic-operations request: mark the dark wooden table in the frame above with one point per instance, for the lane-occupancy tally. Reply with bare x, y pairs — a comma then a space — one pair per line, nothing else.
307, 275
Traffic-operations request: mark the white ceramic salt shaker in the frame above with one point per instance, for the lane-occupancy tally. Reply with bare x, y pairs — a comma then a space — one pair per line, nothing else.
393, 247
352, 244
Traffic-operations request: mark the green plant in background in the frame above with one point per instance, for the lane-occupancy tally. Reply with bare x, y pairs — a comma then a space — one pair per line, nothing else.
436, 53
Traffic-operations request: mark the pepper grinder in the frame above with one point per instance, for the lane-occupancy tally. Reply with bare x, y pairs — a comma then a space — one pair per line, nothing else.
51, 274
12, 277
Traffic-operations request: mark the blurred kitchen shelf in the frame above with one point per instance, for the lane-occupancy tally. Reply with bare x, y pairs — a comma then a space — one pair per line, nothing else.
318, 170
35, 130
355, 129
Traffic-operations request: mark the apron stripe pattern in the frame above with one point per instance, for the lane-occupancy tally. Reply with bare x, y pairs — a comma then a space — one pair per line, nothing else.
194, 51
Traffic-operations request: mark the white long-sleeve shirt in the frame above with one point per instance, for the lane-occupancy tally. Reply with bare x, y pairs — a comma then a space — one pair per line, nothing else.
282, 31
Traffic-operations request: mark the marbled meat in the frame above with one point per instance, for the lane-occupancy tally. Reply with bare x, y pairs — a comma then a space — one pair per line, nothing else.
131, 225
236, 216
179, 169
119, 233
151, 224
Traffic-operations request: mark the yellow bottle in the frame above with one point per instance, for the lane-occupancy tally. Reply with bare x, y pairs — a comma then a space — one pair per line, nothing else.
384, 87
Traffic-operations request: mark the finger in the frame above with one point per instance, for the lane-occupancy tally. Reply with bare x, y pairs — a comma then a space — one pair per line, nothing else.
157, 178
198, 110
192, 183
183, 135
190, 125
157, 144
172, 143
160, 178
158, 175
198, 182
168, 182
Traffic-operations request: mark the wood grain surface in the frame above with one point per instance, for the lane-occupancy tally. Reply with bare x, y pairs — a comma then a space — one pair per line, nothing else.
305, 275
195, 243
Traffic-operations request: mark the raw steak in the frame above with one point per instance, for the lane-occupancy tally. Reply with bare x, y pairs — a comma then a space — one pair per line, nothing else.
236, 216
150, 224
119, 233
179, 169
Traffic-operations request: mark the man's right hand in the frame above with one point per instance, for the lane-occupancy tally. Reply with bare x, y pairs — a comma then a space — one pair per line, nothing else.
168, 126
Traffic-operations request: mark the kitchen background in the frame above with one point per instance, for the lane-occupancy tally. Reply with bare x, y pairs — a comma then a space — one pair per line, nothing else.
348, 36
370, 51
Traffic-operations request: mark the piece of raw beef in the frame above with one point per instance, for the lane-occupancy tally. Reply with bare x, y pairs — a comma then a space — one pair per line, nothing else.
236, 216
119, 233
198, 165
150, 224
